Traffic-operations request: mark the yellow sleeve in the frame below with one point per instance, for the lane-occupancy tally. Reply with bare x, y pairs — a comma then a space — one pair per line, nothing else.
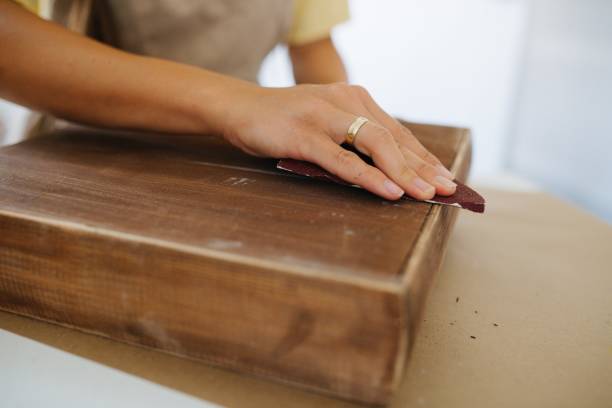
40, 7
31, 5
314, 19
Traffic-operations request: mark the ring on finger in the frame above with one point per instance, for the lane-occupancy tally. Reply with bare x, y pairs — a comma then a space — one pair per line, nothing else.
353, 130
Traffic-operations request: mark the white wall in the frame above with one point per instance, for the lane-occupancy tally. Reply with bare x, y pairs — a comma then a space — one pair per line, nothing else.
13, 121
532, 78
563, 132
440, 61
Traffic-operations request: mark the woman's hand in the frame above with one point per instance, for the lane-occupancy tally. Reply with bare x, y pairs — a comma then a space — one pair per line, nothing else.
91, 83
309, 122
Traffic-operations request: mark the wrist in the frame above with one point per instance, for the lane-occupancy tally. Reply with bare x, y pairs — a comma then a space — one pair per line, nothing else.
221, 104
187, 99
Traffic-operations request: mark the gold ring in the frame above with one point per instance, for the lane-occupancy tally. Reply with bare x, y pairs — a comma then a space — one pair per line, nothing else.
354, 129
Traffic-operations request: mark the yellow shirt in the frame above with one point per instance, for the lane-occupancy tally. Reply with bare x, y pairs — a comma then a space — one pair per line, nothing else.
32, 5
314, 19
40, 7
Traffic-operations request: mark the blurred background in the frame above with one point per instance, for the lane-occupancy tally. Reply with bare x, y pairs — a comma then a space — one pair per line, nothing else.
531, 78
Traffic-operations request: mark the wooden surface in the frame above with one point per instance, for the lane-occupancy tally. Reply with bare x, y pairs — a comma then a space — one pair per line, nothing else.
213, 197
196, 249
535, 266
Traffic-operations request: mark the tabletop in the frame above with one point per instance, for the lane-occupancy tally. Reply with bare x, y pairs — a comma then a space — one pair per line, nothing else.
519, 315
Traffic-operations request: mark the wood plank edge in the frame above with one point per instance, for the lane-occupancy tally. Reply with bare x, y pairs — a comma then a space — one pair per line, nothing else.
434, 222
383, 283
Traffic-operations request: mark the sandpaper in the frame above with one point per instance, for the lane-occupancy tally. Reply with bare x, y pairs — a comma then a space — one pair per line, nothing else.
464, 197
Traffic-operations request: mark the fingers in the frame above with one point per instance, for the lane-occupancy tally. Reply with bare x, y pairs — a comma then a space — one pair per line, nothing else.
349, 167
395, 151
378, 143
428, 172
403, 135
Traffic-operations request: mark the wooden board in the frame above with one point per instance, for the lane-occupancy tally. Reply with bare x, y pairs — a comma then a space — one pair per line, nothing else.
191, 247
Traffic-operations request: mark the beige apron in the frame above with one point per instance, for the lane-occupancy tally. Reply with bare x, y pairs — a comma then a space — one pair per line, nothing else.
228, 36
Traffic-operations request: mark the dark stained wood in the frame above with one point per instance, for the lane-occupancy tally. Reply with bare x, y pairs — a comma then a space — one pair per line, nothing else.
189, 246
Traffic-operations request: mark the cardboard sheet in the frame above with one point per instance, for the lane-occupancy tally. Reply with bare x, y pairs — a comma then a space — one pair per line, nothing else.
519, 316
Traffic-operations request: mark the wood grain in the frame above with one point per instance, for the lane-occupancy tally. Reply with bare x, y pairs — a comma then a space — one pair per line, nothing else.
191, 247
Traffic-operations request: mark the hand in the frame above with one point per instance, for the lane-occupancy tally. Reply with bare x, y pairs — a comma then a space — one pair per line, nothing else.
305, 122
103, 86
309, 122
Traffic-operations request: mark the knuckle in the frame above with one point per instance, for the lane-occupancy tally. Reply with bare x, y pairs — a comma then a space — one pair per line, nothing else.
359, 90
371, 173
388, 138
311, 111
430, 157
338, 88
346, 158
384, 135
397, 127
304, 148
405, 129
421, 167
407, 173
361, 175
410, 139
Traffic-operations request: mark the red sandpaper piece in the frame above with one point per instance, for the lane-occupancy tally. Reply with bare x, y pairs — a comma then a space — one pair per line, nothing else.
464, 197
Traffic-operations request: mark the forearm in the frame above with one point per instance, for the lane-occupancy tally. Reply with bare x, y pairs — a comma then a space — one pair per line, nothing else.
317, 63
53, 70
48, 68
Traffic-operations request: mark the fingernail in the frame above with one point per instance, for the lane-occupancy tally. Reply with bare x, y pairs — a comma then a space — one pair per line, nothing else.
423, 186
443, 171
445, 182
393, 188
